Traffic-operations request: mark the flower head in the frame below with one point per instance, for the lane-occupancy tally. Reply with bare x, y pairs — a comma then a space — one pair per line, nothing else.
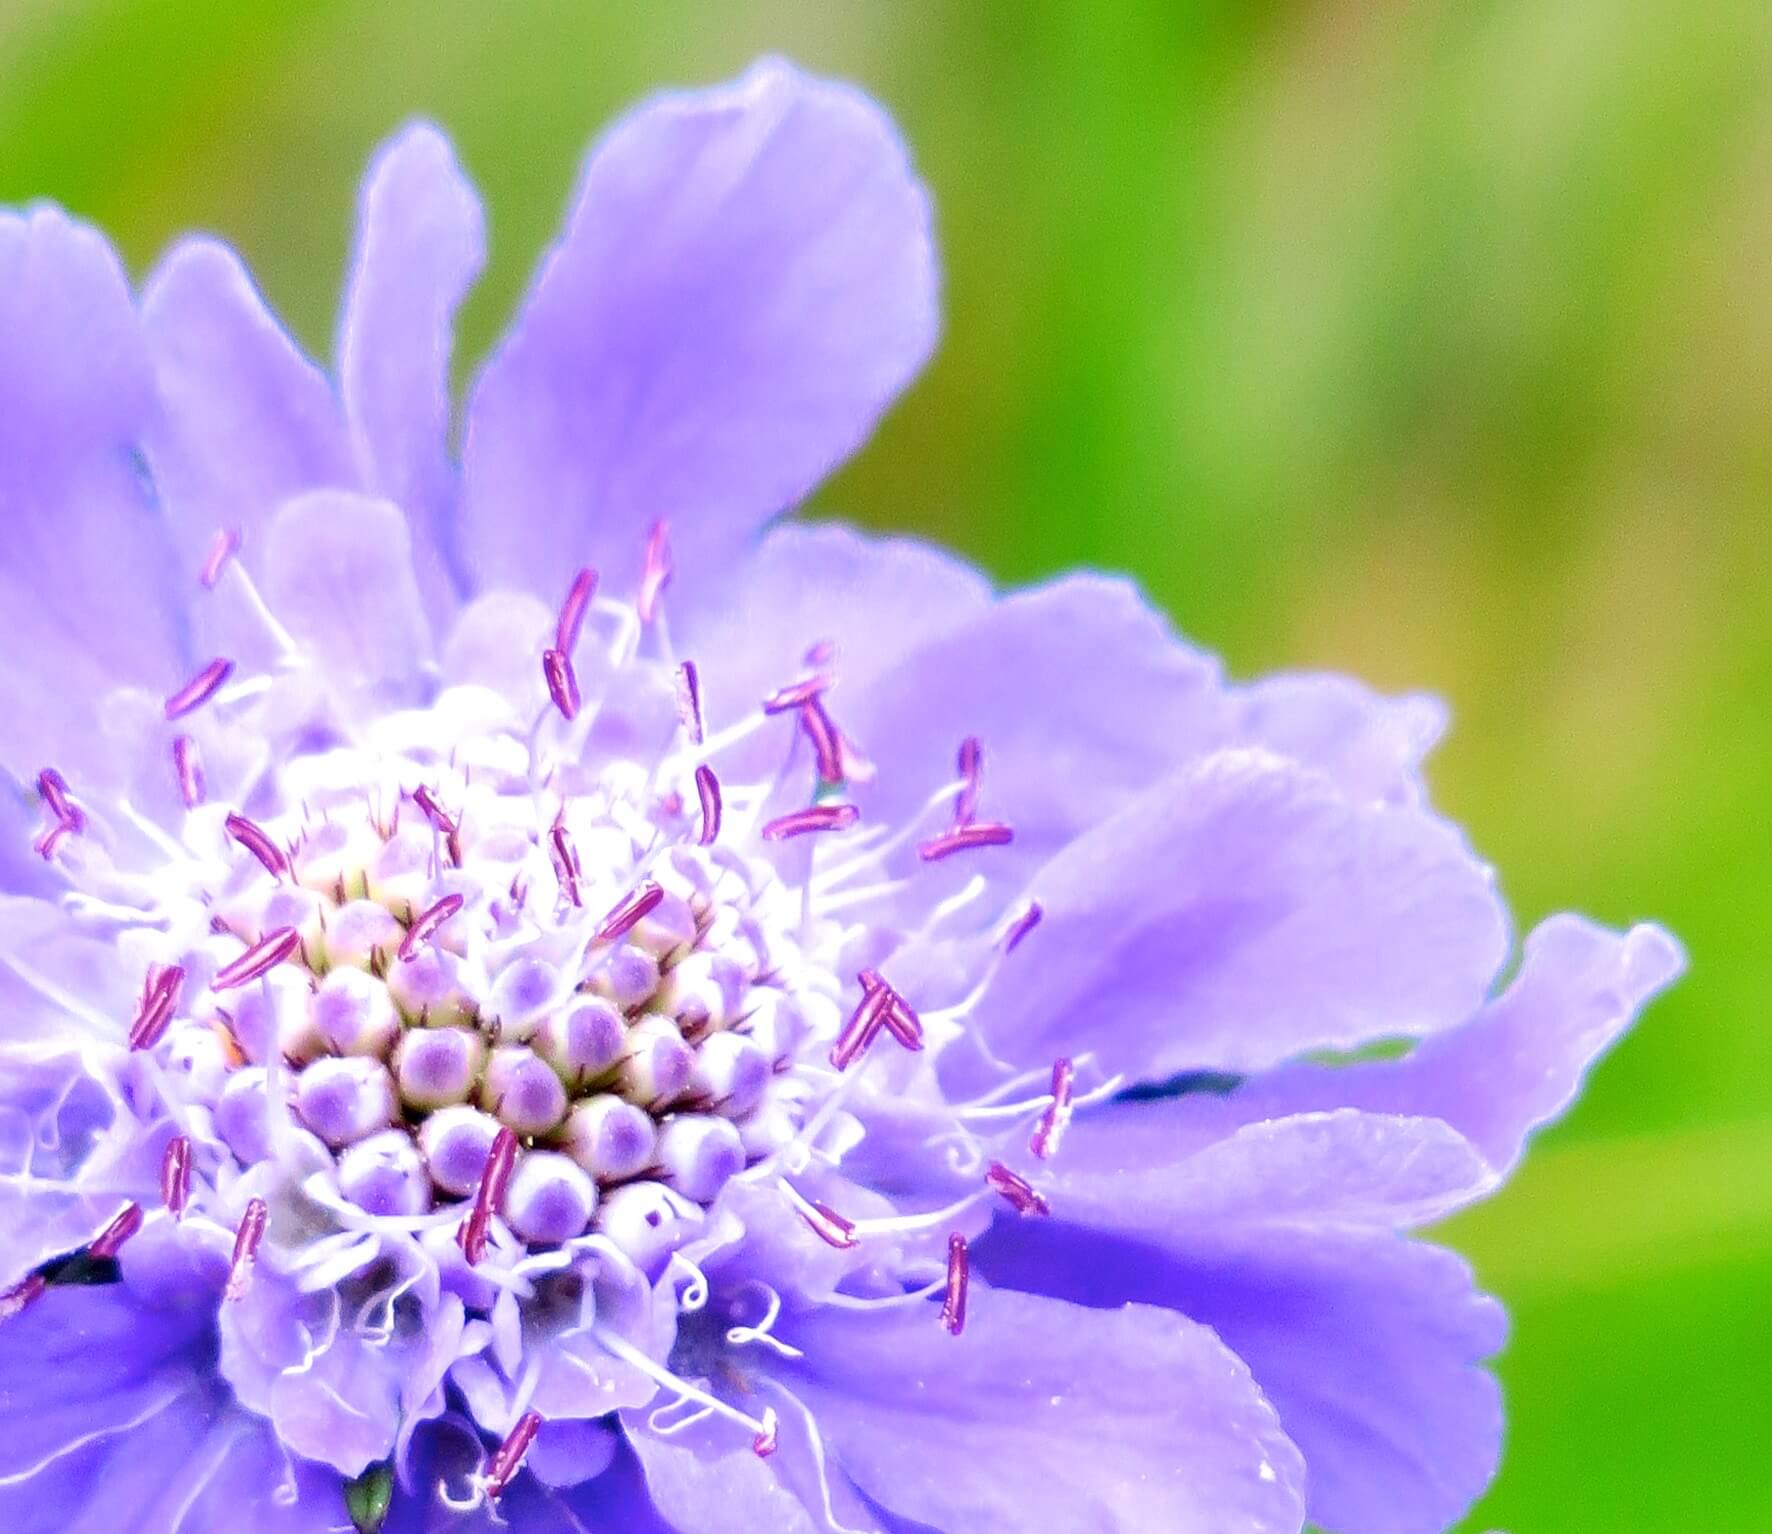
536, 995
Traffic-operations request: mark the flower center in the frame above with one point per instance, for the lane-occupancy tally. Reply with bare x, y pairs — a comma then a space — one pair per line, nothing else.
426, 951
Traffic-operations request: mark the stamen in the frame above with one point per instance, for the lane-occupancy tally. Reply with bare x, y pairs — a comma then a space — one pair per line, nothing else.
507, 1458
629, 913
200, 689
866, 1021
488, 1197
109, 1241
820, 817
227, 542
971, 766
796, 694
657, 572
901, 1020
54, 789
826, 744
22, 1295
1021, 926
708, 786
822, 653
438, 817
572, 610
265, 955
246, 1244
689, 699
953, 1307
427, 923
829, 1226
45, 846
763, 1445
1057, 1117
256, 840
978, 833
1022, 1195
175, 1175
565, 859
188, 764
562, 680
159, 1002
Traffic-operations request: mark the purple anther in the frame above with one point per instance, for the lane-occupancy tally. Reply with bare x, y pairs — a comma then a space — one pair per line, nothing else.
978, 833
795, 695
1057, 1117
953, 1305
256, 840
829, 1226
489, 1197
708, 787
175, 1174
419, 933
262, 957
22, 1295
54, 789
866, 1021
819, 817
435, 813
572, 610
904, 1024
187, 763
225, 545
763, 1445
247, 1240
566, 865
689, 700
827, 745
562, 680
159, 1002
971, 764
1022, 1195
1021, 926
656, 574
630, 912
45, 846
507, 1458
109, 1241
200, 689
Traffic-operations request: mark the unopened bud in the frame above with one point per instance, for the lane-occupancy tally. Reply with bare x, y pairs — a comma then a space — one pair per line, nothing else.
655, 1062
731, 1073
456, 1142
628, 977
522, 994
353, 1015
776, 1022
240, 1116
346, 1099
430, 986
522, 1090
703, 993
438, 1066
610, 1138
385, 1175
699, 1154
550, 1198
582, 1042
358, 931
668, 928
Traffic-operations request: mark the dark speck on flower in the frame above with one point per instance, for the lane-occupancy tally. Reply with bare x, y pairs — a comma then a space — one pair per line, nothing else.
540, 991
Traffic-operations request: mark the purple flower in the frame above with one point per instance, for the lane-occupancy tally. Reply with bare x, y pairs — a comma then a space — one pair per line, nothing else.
535, 993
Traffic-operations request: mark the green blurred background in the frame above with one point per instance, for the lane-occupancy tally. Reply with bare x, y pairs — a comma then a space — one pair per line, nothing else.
1423, 339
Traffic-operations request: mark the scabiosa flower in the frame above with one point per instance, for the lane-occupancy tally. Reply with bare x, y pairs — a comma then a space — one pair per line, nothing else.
537, 995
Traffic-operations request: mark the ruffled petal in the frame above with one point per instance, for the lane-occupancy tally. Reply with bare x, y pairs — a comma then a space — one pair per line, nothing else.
421, 241
1044, 1414
1372, 746
745, 283
1371, 1347
247, 420
1517, 1064
1131, 1170
874, 600
1081, 696
1242, 912
110, 1416
86, 571
338, 575
699, 1488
